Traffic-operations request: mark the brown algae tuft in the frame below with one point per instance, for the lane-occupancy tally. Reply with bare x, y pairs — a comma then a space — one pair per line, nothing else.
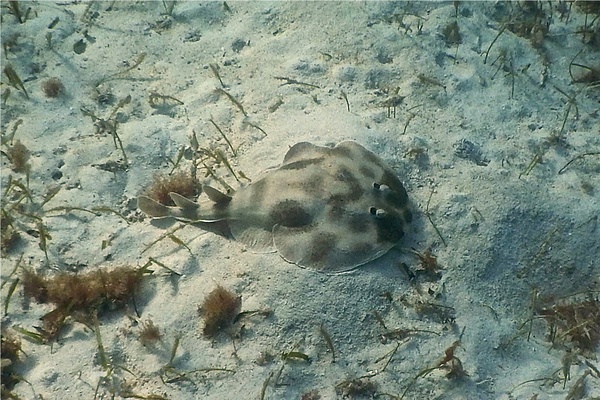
219, 309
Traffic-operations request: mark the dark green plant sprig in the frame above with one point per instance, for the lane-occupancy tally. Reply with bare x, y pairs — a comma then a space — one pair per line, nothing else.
14, 80
7, 139
428, 214
212, 121
291, 81
449, 363
169, 6
112, 382
287, 357
169, 235
487, 53
345, 97
13, 284
579, 157
18, 201
163, 103
170, 374
5, 95
215, 70
327, 337
233, 100
110, 125
120, 74
571, 104
14, 8
257, 127
589, 34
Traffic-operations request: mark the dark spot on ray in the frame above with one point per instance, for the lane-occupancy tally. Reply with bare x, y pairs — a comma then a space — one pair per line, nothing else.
313, 185
367, 172
397, 194
372, 158
389, 228
360, 249
290, 213
354, 191
259, 190
342, 151
301, 164
395, 199
407, 215
336, 212
358, 223
344, 175
321, 245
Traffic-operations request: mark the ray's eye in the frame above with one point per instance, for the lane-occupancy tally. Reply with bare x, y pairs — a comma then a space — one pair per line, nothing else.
377, 212
380, 187
380, 213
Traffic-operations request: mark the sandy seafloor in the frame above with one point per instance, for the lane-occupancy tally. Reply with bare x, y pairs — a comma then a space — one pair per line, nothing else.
509, 231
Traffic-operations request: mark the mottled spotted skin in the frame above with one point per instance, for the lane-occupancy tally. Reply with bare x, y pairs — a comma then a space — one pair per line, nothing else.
328, 209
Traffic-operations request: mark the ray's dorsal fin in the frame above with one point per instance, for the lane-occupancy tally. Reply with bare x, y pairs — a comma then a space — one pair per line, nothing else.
152, 207
215, 195
182, 202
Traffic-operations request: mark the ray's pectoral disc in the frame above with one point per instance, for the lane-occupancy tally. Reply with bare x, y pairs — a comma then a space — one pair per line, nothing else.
328, 209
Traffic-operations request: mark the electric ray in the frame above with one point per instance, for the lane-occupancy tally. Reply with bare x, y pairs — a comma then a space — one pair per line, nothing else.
327, 209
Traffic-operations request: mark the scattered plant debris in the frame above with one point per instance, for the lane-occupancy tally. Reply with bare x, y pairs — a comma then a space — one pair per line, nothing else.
122, 73
18, 155
14, 9
80, 295
232, 99
530, 21
14, 80
219, 309
311, 395
182, 183
11, 347
452, 34
428, 264
328, 341
110, 124
8, 233
352, 388
53, 88
149, 333
575, 322
449, 363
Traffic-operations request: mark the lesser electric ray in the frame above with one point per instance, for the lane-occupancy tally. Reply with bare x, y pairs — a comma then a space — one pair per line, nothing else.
327, 209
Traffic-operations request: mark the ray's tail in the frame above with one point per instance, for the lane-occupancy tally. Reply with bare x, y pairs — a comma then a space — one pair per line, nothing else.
185, 209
